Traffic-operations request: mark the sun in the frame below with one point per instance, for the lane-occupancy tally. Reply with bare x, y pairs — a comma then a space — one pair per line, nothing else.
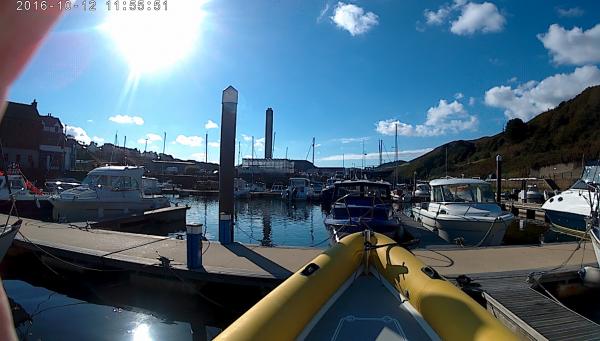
155, 40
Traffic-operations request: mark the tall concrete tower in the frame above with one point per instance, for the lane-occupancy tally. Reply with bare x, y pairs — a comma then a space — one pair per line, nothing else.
269, 134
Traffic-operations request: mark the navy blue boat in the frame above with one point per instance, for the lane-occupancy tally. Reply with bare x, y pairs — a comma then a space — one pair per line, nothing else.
360, 205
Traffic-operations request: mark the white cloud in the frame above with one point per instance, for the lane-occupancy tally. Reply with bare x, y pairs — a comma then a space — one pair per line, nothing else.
259, 144
436, 17
191, 141
90, 121
126, 119
405, 154
471, 101
78, 134
98, 140
346, 140
214, 144
151, 137
575, 46
353, 19
475, 17
442, 119
569, 12
247, 138
531, 98
210, 125
323, 12
459, 95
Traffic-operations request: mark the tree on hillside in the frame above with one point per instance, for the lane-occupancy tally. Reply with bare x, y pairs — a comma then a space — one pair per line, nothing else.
516, 130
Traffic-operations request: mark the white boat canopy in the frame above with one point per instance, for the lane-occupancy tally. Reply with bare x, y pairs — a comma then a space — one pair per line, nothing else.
456, 181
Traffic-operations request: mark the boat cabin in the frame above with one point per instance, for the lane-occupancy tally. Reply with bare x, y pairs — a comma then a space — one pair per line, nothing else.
461, 190
115, 178
363, 188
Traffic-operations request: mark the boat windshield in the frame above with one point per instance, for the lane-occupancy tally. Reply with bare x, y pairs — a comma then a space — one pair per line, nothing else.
115, 182
298, 182
591, 174
364, 190
463, 193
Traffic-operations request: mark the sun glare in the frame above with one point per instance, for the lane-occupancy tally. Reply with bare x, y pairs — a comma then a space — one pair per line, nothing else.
155, 40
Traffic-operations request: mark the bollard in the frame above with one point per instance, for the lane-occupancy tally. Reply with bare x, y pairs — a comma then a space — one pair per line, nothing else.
194, 246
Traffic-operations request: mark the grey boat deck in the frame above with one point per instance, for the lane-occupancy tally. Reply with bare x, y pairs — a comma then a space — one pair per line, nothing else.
367, 310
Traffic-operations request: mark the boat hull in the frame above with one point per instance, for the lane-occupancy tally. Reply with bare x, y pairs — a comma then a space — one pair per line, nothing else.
7, 237
567, 219
39, 209
299, 304
93, 210
465, 230
595, 237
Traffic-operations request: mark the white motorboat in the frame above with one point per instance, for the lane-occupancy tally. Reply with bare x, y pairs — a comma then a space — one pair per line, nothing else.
7, 236
421, 192
298, 189
570, 208
464, 211
106, 192
277, 188
532, 195
151, 186
30, 202
240, 188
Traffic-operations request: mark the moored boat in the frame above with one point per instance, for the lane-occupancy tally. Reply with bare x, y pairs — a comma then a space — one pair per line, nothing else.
366, 288
463, 211
360, 205
7, 235
298, 190
106, 192
30, 202
570, 208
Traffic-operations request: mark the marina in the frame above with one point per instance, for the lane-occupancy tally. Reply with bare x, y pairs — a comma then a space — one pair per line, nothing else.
209, 172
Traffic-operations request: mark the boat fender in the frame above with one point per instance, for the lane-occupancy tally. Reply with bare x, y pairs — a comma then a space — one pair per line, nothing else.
310, 269
429, 271
590, 276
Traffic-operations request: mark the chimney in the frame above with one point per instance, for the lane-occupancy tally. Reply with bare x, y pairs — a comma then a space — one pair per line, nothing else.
269, 134
34, 103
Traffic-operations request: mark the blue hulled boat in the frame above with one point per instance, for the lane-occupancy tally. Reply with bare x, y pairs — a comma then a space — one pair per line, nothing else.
360, 205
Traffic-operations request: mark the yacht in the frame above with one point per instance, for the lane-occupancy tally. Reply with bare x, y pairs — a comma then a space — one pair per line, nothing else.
570, 208
151, 186
298, 189
106, 192
532, 194
421, 192
277, 188
240, 188
316, 189
7, 235
464, 211
30, 202
360, 205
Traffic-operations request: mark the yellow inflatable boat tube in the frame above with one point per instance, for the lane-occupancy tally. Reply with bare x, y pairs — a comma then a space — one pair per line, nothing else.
289, 309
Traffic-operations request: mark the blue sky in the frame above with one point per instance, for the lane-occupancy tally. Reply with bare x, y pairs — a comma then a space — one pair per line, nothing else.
343, 72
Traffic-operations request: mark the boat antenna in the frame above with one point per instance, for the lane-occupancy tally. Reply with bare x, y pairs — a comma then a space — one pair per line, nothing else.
206, 149
396, 146
164, 142
313, 150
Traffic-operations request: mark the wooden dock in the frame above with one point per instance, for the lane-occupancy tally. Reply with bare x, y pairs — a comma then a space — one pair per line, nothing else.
530, 313
524, 210
235, 264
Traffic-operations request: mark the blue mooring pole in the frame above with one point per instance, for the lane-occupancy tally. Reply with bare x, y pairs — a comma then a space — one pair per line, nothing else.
194, 246
226, 164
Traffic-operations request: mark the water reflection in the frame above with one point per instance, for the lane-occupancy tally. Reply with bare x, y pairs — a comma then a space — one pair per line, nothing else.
141, 333
268, 222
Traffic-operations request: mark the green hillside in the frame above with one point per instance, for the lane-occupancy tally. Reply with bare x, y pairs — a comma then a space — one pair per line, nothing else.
564, 134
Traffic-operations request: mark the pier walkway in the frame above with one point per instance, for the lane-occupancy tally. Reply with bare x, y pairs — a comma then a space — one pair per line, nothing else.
236, 263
